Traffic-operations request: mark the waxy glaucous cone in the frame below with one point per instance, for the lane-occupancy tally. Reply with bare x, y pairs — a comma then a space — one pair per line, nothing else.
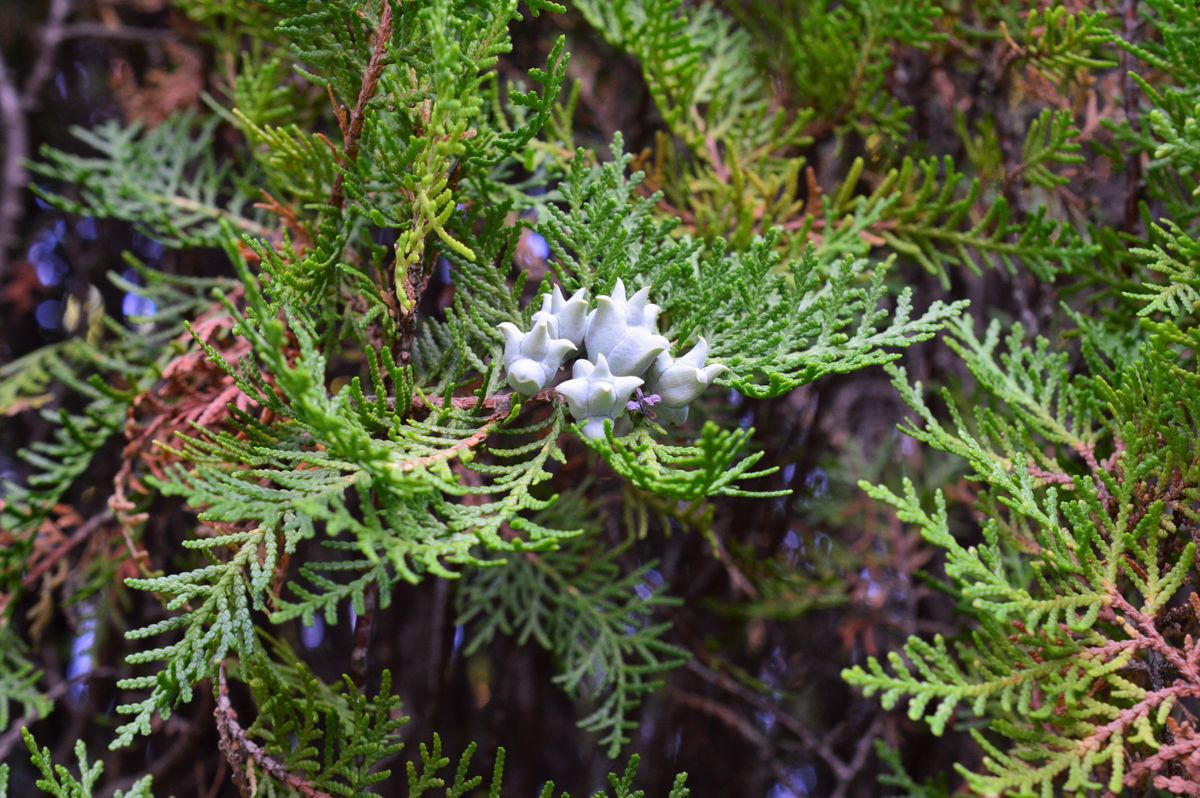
532, 358
567, 317
594, 393
678, 381
625, 332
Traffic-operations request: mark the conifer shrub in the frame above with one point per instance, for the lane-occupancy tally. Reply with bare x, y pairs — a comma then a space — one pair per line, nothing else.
459, 336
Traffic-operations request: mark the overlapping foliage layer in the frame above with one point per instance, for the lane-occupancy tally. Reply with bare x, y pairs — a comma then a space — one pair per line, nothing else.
314, 398
1082, 653
332, 414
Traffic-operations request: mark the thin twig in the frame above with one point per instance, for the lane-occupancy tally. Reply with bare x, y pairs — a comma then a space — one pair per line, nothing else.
81, 534
53, 693
51, 36
364, 624
187, 204
238, 748
14, 105
723, 713
470, 442
370, 82
494, 402
842, 770
12, 171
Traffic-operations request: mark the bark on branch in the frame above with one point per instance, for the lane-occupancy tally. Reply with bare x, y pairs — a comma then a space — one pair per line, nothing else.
238, 749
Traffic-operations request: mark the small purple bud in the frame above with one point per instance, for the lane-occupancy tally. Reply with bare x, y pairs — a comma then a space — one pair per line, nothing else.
643, 403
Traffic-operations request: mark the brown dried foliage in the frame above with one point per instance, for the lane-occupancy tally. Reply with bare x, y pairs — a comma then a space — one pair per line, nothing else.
163, 91
193, 392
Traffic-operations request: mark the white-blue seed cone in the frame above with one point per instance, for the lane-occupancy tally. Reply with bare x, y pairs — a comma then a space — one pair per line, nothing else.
568, 317
678, 381
531, 359
624, 331
594, 393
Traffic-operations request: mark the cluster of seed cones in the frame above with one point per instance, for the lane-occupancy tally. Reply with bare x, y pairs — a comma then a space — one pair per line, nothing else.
619, 350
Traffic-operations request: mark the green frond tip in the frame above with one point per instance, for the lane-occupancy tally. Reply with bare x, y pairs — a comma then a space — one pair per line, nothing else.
775, 324
58, 781
337, 733
18, 682
714, 465
899, 779
536, 7
166, 180
597, 621
1052, 140
934, 684
24, 382
1175, 256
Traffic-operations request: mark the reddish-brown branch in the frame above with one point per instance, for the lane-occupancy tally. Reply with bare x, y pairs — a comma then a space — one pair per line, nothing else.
723, 713
1186, 748
1050, 477
469, 442
1142, 709
1177, 785
1144, 636
238, 748
352, 128
66, 547
498, 402
1149, 638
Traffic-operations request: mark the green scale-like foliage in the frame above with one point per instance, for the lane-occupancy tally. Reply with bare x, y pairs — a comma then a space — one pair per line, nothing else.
598, 622
936, 223
107, 371
737, 168
366, 424
775, 325
59, 782
838, 56
166, 180
1088, 476
18, 682
1081, 551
